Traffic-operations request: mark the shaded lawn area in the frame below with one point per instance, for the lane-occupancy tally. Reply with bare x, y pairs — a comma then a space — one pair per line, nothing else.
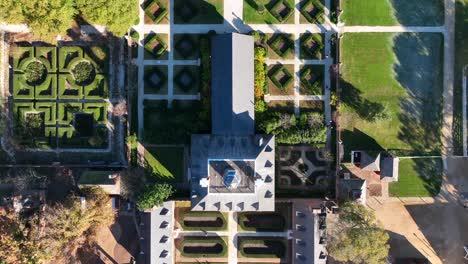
461, 59
418, 178
175, 125
392, 92
199, 11
165, 163
251, 16
393, 12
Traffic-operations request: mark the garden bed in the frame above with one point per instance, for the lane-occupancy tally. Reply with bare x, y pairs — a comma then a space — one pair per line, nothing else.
281, 79
186, 79
250, 247
312, 11
156, 46
156, 11
312, 80
277, 221
312, 46
280, 46
269, 12
155, 79
203, 247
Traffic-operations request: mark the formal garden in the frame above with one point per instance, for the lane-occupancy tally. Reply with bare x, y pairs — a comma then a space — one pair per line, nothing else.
59, 96
392, 92
282, 11
395, 12
156, 46
156, 11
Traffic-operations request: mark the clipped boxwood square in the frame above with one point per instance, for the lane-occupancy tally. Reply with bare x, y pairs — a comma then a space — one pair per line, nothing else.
312, 80
280, 9
281, 46
313, 11
156, 11
156, 46
186, 46
281, 78
155, 79
312, 46
186, 79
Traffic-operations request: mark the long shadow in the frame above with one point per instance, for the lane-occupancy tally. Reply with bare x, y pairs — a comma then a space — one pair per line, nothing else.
366, 109
402, 251
419, 12
419, 71
358, 140
196, 12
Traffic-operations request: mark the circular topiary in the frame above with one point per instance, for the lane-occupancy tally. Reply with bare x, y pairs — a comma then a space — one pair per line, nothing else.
83, 72
35, 72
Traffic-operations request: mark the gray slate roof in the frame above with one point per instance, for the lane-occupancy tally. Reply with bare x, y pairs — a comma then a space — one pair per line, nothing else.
209, 147
232, 91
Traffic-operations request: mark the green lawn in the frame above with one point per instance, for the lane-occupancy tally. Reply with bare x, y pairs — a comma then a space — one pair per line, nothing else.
461, 59
251, 16
392, 92
166, 163
394, 12
201, 11
418, 178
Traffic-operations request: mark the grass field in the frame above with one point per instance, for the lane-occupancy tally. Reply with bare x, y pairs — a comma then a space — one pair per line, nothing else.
418, 178
393, 12
392, 92
166, 163
461, 59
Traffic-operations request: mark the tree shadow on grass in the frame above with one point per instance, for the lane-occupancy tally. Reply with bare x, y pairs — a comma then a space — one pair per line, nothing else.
419, 12
196, 12
419, 72
366, 109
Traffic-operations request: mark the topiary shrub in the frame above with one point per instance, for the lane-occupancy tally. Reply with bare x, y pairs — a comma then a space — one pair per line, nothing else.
83, 73
35, 73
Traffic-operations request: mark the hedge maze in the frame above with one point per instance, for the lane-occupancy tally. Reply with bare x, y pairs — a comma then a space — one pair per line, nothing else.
59, 96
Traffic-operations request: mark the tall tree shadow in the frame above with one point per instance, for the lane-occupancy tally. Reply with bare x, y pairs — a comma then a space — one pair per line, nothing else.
419, 72
419, 12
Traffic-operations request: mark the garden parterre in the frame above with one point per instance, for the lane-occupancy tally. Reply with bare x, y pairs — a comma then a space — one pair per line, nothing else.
60, 96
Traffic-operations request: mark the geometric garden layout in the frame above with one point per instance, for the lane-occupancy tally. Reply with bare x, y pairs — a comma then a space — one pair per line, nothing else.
59, 96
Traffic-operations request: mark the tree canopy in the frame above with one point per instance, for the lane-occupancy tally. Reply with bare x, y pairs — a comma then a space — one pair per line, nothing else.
358, 237
154, 195
49, 18
118, 15
46, 18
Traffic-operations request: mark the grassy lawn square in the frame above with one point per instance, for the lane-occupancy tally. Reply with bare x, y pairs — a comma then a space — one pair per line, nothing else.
461, 60
395, 12
199, 11
255, 14
186, 79
392, 92
277, 77
420, 177
155, 79
167, 164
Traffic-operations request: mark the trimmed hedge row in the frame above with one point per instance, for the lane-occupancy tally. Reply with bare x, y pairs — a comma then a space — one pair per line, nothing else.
203, 214
204, 240
278, 247
160, 13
